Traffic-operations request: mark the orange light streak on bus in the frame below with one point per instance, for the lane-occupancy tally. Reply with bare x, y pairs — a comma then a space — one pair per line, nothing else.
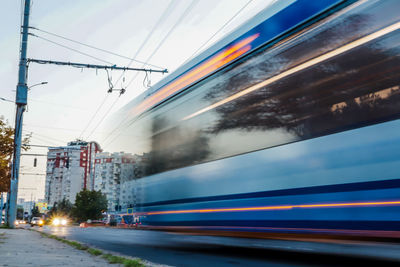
281, 207
202, 70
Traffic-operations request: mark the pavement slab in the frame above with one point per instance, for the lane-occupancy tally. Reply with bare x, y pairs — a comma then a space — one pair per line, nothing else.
22, 248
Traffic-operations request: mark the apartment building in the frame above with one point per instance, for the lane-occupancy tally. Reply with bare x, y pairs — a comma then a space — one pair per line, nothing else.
69, 170
114, 176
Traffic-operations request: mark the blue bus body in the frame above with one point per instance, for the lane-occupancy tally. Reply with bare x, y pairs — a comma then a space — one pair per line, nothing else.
288, 125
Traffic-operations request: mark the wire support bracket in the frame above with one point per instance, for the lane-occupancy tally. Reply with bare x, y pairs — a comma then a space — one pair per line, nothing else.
92, 66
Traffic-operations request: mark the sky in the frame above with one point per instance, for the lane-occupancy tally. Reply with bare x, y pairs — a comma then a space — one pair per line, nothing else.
67, 107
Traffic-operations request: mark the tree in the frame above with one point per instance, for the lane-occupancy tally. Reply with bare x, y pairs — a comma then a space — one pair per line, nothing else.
6, 152
89, 205
35, 212
61, 209
20, 213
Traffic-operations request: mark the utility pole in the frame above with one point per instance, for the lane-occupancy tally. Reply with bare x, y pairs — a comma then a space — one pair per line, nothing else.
20, 101
1, 207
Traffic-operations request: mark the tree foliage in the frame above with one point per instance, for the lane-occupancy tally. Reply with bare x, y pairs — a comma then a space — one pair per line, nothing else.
6, 153
61, 209
35, 211
89, 205
20, 213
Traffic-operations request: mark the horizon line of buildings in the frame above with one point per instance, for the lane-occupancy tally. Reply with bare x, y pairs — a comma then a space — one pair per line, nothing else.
83, 165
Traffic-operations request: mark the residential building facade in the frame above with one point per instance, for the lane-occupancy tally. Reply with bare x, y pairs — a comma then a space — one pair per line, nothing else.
114, 176
69, 170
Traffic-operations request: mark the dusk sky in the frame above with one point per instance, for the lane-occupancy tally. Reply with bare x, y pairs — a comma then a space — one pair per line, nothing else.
61, 111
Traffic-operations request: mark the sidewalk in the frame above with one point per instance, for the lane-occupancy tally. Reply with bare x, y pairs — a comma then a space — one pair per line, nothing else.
21, 248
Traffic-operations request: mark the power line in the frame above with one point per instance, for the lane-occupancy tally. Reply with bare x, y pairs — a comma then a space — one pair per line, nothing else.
70, 48
44, 140
49, 127
164, 15
4, 99
93, 47
183, 15
47, 137
112, 67
37, 145
94, 115
205, 43
56, 104
220, 29
105, 115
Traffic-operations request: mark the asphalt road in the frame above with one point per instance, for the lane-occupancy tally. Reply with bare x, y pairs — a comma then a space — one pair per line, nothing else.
191, 250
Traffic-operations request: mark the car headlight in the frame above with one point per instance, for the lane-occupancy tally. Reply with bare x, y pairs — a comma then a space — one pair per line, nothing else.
63, 222
41, 222
56, 222
16, 222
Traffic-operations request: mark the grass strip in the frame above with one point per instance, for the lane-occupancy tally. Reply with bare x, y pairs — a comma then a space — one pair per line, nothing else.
112, 259
121, 260
95, 252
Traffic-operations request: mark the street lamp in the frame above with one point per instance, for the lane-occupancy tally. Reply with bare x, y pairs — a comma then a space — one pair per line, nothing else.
29, 88
2, 98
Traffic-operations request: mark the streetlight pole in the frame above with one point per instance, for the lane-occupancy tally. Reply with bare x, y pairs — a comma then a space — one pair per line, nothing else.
42, 83
20, 101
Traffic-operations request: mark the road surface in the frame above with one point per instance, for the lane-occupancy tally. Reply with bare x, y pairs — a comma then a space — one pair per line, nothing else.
191, 250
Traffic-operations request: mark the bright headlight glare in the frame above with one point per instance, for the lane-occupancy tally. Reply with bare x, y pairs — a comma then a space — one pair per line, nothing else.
63, 222
41, 222
56, 221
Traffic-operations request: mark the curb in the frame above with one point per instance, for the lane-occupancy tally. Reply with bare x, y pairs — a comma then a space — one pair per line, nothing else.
111, 257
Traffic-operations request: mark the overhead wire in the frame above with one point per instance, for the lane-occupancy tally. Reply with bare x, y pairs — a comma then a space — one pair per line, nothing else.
44, 140
48, 137
70, 48
197, 50
53, 128
172, 29
105, 115
220, 29
160, 44
96, 48
105, 98
205, 43
166, 12
58, 105
163, 16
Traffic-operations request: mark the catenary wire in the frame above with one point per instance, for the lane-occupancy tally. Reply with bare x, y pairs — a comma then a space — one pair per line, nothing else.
96, 48
45, 140
183, 15
48, 137
94, 115
164, 15
105, 115
205, 43
72, 49
160, 44
220, 29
